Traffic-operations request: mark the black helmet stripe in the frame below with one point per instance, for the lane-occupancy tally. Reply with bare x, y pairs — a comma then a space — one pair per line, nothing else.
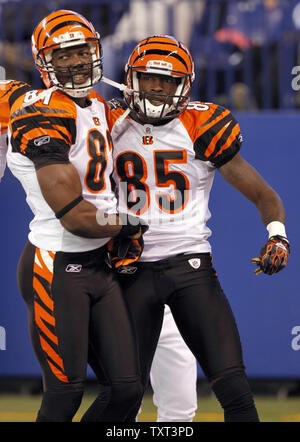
149, 41
62, 25
160, 52
178, 44
54, 18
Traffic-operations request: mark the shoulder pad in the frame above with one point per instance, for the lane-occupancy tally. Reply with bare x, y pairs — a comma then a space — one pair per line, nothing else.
218, 138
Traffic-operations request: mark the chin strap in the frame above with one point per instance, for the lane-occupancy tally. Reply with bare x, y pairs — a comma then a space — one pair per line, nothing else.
123, 88
119, 86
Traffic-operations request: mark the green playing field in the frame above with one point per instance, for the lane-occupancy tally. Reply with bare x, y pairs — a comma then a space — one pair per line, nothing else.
23, 408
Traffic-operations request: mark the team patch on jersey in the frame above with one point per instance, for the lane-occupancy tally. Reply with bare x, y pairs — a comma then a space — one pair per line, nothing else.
195, 263
147, 139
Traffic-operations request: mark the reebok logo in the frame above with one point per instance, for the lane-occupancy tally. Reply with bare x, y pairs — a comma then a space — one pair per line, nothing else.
73, 268
127, 270
45, 139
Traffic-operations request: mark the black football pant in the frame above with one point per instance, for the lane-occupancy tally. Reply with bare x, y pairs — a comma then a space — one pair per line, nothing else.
204, 319
75, 306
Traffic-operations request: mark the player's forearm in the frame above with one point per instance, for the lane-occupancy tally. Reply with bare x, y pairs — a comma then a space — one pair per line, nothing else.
62, 190
86, 221
270, 207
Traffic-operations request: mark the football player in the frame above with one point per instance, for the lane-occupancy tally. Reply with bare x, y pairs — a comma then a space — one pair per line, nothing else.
60, 149
174, 371
173, 363
166, 152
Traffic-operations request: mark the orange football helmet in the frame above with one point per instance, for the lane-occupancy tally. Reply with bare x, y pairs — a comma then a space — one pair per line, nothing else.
160, 55
66, 29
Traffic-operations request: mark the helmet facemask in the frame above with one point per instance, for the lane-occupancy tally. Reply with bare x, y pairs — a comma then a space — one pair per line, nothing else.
91, 69
171, 106
64, 29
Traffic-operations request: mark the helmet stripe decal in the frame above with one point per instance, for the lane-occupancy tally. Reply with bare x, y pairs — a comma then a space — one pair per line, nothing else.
160, 52
158, 42
54, 18
62, 25
168, 43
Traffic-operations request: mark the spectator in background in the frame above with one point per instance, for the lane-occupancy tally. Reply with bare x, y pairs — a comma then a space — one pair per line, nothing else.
17, 19
296, 14
146, 17
245, 47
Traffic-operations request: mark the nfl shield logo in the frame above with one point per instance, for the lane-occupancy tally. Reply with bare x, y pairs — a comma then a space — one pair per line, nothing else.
195, 262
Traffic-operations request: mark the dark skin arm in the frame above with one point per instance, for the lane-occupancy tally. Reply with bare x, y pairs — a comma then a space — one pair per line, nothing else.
243, 177
60, 184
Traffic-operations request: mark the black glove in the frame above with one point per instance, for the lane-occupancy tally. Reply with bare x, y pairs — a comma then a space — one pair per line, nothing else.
131, 225
122, 252
273, 256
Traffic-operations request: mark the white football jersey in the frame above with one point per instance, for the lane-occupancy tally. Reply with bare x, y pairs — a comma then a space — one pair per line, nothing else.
164, 174
59, 131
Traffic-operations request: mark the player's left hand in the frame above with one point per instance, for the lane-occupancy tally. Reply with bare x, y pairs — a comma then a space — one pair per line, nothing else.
123, 252
273, 256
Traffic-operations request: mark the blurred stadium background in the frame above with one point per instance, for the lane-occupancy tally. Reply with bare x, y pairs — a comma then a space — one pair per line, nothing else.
247, 57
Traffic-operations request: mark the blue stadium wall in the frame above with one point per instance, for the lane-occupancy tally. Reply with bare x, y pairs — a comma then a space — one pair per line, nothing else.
267, 308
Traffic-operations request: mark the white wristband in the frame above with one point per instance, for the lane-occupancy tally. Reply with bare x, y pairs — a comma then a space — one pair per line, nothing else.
276, 228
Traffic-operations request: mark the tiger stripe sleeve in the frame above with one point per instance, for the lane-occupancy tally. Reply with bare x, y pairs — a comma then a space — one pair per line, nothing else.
10, 90
219, 138
44, 134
